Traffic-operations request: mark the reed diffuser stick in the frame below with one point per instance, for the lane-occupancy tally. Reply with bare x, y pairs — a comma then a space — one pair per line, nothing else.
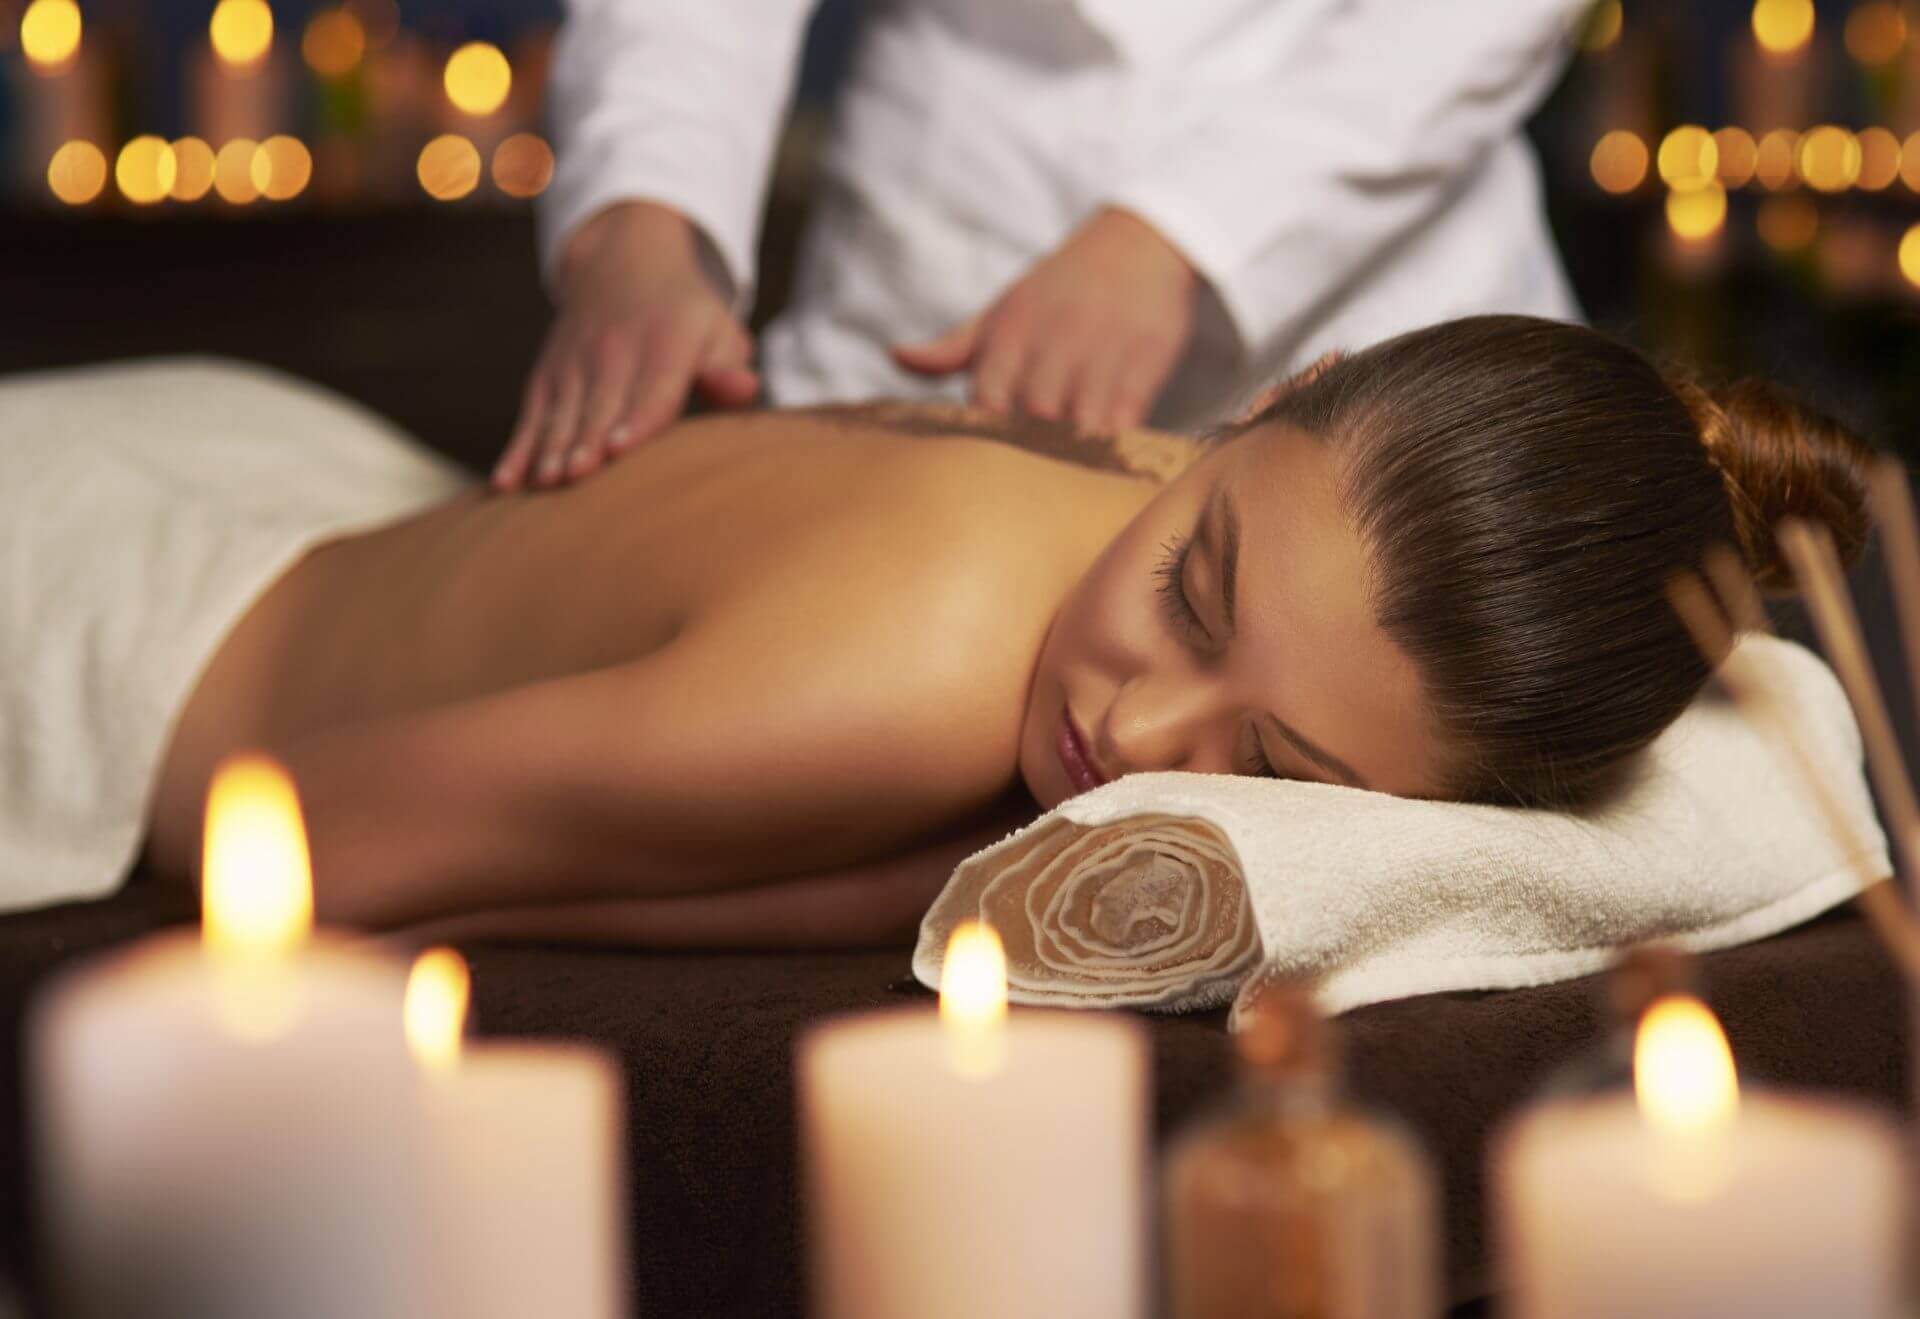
1816, 570
1890, 500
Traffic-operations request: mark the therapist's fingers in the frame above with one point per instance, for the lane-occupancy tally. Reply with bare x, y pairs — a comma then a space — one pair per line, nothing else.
1144, 368
1002, 360
563, 421
1049, 375
725, 374
662, 390
1092, 408
616, 364
511, 470
951, 352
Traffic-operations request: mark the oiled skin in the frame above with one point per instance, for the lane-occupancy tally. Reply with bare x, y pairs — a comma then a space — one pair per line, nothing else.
763, 648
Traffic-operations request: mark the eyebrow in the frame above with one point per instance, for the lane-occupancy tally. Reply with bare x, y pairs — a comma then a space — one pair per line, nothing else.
1229, 520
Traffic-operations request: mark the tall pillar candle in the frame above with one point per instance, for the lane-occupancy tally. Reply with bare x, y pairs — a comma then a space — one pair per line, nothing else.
976, 1164
230, 1125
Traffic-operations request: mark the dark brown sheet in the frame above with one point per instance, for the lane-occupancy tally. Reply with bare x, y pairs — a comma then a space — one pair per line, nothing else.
705, 1042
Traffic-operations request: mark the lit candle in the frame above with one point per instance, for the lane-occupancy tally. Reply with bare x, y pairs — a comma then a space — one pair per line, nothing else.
1687, 1198
230, 1125
972, 1163
526, 1140
239, 83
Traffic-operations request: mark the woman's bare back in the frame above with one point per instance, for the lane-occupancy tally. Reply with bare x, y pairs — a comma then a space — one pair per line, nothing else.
845, 622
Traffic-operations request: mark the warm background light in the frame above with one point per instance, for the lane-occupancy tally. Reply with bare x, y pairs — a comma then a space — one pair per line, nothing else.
1683, 1072
1828, 158
449, 167
241, 30
1879, 158
1773, 159
1788, 223
438, 990
233, 171
145, 170
1688, 157
334, 43
1697, 213
1782, 26
1910, 255
478, 78
1910, 162
280, 168
50, 32
77, 173
522, 166
1876, 32
1602, 30
1619, 161
192, 169
257, 894
1738, 155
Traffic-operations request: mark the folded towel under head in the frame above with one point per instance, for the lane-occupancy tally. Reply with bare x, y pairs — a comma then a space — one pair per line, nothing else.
1168, 891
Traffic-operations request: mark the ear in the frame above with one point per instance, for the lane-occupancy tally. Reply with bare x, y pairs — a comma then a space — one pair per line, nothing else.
1267, 397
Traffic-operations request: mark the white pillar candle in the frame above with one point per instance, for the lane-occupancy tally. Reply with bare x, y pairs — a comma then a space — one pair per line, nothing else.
1691, 1199
526, 1142
975, 1166
230, 1126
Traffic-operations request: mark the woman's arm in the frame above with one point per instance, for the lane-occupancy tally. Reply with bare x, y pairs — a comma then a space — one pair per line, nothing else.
872, 904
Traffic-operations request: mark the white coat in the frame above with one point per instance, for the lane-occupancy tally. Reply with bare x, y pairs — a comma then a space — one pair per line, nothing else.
1337, 170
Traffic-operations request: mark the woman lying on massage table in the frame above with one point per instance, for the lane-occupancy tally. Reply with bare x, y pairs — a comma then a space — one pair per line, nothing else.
766, 681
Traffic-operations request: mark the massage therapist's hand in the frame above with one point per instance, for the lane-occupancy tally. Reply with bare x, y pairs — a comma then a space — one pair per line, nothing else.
1089, 335
640, 323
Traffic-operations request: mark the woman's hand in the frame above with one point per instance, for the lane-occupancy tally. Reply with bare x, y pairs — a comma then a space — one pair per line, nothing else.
1090, 334
639, 324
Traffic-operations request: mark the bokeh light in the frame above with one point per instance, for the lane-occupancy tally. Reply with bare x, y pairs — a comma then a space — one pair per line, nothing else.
334, 43
1828, 158
522, 166
50, 32
1879, 158
233, 171
1695, 214
145, 170
1910, 255
449, 167
1619, 161
280, 168
1910, 162
1876, 33
1601, 30
192, 170
478, 78
1782, 26
1773, 159
77, 172
241, 30
1788, 223
1737, 155
1688, 157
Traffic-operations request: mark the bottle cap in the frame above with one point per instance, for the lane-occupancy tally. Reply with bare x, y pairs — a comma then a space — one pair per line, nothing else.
1280, 1030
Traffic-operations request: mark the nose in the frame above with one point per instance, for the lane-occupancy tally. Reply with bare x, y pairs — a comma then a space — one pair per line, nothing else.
1156, 722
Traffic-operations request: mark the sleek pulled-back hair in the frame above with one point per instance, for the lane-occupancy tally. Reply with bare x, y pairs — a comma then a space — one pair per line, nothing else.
1526, 489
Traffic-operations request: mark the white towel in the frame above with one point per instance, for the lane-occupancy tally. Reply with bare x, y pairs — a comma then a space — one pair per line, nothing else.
143, 508
1167, 891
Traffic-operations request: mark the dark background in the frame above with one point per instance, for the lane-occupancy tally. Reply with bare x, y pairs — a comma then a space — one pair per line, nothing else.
432, 310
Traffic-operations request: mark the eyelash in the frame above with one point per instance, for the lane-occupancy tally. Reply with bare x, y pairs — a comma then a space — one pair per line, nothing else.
1170, 575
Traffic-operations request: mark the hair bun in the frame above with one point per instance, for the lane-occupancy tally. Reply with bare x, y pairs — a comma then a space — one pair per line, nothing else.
1781, 459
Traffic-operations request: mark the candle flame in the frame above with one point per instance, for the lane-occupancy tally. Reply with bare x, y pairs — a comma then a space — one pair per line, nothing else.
1683, 1073
257, 894
438, 990
973, 1000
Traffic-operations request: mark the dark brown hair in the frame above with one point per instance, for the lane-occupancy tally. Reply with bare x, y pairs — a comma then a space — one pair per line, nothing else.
1526, 489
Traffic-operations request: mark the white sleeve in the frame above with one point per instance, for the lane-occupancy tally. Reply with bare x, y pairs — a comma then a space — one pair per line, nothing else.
1285, 176
673, 101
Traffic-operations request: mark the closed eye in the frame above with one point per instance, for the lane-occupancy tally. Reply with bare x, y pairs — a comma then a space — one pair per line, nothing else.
1171, 574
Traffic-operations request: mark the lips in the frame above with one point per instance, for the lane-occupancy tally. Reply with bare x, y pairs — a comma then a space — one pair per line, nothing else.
1075, 757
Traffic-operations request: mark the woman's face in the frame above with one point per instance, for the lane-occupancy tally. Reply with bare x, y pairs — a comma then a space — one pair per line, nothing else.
1227, 631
